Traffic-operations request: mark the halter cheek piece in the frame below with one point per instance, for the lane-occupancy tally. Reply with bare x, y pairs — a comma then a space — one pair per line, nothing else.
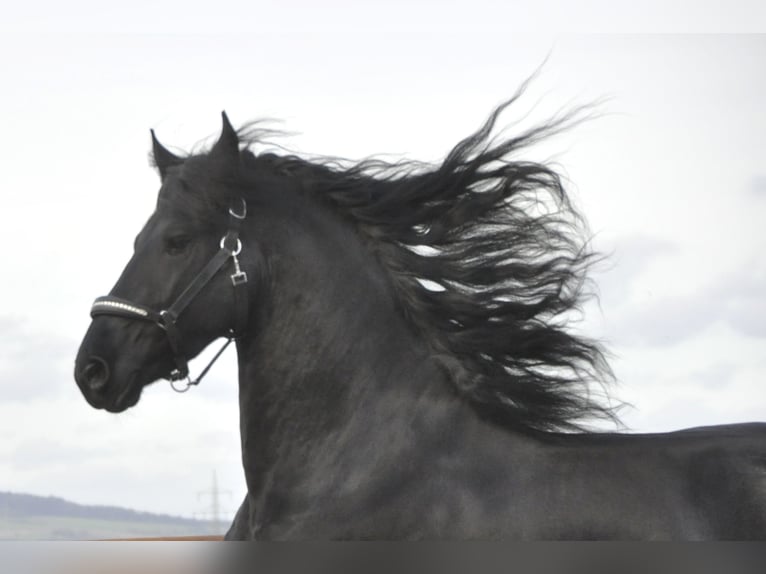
166, 319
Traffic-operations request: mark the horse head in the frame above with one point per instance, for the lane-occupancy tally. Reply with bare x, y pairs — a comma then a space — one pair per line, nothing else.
185, 285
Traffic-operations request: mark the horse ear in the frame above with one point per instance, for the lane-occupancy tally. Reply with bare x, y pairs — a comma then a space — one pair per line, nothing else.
163, 158
228, 144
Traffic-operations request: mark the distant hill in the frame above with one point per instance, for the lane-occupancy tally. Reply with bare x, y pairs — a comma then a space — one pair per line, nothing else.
25, 516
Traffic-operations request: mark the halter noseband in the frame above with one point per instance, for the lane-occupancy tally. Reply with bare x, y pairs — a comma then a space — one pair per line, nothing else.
166, 319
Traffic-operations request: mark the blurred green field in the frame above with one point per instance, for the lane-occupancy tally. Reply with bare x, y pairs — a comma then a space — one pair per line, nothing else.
31, 517
67, 528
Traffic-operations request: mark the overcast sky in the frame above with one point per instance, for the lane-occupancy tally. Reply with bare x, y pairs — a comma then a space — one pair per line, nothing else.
672, 178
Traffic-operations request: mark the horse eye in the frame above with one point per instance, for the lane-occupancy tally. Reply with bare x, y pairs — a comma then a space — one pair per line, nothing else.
177, 244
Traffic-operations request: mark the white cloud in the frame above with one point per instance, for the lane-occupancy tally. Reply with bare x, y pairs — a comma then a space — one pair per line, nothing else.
34, 364
758, 184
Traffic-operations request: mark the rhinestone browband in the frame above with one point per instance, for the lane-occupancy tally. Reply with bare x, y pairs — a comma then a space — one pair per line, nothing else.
123, 306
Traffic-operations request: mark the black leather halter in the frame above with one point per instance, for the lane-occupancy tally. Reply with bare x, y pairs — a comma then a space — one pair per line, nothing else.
166, 319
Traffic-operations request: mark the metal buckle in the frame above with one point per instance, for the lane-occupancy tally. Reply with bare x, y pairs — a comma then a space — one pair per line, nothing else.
238, 277
163, 320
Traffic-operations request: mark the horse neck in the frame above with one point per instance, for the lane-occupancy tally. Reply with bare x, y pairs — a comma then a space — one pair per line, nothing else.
332, 357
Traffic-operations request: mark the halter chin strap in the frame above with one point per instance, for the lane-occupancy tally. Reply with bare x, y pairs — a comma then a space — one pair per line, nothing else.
166, 319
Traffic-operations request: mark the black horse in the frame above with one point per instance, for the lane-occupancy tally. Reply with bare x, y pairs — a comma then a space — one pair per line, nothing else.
406, 368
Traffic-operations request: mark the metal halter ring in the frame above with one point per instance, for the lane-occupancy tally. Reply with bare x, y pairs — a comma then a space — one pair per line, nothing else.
244, 210
239, 245
181, 390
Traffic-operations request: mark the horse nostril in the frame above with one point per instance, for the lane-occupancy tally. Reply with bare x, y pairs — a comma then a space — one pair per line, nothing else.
96, 374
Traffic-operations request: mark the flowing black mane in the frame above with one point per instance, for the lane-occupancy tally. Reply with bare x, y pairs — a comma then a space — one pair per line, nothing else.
488, 258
